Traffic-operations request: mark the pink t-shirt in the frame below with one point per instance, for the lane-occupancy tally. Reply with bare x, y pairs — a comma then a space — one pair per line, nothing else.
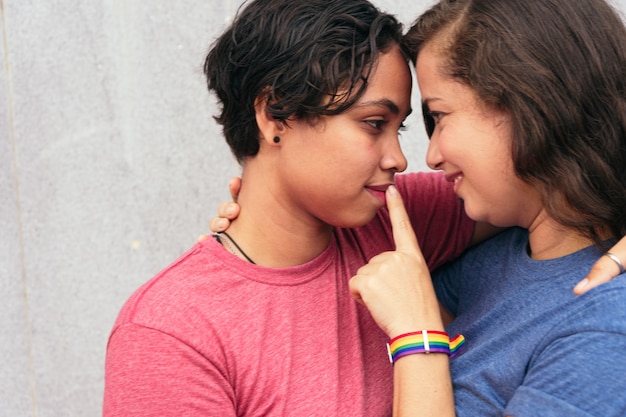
212, 335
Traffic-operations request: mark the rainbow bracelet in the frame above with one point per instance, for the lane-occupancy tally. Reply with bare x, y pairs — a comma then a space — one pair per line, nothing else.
425, 341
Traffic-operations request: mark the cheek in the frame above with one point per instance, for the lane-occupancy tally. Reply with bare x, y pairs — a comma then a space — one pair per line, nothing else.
353, 156
455, 145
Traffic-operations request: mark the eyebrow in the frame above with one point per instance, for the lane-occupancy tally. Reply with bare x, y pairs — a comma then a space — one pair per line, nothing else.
429, 100
385, 102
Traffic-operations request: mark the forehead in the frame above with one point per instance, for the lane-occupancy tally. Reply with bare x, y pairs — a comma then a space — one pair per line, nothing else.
435, 85
441, 92
390, 80
429, 66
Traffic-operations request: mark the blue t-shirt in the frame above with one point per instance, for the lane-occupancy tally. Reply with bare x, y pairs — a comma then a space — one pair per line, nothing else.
534, 348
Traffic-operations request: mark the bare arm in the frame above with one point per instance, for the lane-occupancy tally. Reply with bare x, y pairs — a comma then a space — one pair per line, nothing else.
604, 270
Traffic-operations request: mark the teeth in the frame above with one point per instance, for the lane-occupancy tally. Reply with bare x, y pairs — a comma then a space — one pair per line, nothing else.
457, 179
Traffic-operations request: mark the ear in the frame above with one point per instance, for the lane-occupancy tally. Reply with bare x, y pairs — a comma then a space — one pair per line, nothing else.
269, 128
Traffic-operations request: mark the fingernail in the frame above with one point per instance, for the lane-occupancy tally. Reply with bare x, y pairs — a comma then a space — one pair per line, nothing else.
582, 284
392, 191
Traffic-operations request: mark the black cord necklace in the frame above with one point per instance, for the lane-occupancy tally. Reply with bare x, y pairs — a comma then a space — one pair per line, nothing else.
218, 237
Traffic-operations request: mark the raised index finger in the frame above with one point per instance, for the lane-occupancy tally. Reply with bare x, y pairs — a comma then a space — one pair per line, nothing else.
403, 234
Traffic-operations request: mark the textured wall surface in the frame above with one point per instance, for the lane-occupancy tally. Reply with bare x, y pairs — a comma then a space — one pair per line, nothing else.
110, 166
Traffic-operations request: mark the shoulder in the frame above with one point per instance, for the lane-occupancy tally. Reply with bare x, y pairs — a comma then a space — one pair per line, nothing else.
596, 318
579, 362
601, 308
163, 301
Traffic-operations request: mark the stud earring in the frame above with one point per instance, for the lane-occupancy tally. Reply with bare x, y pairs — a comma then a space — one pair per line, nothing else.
276, 139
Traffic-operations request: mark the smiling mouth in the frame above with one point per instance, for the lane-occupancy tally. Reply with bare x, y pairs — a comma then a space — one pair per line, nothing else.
455, 178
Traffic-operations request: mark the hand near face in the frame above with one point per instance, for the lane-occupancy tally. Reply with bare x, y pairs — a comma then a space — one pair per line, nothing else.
604, 270
396, 286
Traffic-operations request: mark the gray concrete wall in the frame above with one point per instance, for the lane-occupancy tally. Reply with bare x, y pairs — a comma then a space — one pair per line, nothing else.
110, 166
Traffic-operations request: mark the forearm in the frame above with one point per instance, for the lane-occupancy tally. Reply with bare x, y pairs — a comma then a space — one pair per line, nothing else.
423, 387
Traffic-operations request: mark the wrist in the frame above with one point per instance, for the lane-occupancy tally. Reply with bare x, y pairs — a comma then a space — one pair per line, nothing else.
424, 341
409, 327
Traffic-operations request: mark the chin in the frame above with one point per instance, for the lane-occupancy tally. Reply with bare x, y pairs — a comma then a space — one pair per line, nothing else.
475, 215
355, 221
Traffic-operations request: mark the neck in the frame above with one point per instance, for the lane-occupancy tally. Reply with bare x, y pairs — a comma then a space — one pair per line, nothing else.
271, 231
277, 244
550, 240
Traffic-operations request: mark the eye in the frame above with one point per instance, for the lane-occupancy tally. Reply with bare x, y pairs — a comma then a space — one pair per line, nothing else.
431, 118
377, 124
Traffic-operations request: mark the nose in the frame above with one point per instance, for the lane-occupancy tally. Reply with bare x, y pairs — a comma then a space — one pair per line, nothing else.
393, 158
433, 156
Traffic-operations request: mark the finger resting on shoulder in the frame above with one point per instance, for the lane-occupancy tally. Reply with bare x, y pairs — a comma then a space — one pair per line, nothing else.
603, 271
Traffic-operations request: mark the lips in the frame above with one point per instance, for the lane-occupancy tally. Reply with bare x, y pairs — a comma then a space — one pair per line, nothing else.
381, 188
378, 190
456, 179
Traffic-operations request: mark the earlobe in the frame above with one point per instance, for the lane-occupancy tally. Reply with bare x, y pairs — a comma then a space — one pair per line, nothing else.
269, 127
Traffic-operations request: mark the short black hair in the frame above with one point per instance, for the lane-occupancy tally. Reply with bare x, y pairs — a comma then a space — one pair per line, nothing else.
306, 58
